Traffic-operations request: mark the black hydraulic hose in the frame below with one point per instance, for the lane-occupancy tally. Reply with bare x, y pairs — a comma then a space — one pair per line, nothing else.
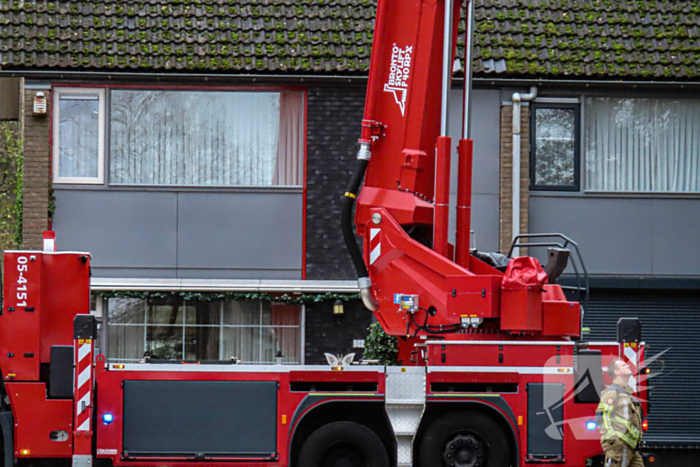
346, 218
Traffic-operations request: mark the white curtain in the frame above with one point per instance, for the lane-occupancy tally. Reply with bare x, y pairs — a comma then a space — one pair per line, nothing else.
642, 145
254, 331
78, 137
126, 325
203, 138
251, 330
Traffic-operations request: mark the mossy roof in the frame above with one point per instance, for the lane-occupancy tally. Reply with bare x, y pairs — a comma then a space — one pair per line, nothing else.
603, 39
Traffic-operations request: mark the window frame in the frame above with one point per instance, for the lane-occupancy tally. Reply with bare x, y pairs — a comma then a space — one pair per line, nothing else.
221, 326
101, 135
556, 104
104, 161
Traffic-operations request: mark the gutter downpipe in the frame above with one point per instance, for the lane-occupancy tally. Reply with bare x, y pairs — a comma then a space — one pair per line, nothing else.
517, 104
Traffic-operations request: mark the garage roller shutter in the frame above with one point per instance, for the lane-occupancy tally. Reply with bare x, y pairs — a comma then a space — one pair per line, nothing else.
670, 320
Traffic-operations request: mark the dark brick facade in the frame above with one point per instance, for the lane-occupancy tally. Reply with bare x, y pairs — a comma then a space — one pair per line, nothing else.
326, 333
334, 123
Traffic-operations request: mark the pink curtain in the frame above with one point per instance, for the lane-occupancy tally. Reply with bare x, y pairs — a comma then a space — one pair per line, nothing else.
290, 143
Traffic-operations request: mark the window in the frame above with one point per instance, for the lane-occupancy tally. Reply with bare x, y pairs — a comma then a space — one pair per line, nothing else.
252, 331
79, 136
189, 138
642, 145
554, 143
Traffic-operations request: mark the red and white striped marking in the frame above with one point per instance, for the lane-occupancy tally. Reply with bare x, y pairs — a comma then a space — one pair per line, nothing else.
375, 245
83, 383
631, 355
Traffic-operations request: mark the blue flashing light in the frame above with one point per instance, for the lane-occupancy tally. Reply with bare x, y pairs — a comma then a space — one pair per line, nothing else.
108, 418
591, 425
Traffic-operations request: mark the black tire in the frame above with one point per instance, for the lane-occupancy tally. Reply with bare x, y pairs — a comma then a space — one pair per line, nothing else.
343, 444
465, 439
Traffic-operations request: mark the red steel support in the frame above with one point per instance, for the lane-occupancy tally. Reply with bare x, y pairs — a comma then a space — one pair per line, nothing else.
83, 391
464, 202
442, 195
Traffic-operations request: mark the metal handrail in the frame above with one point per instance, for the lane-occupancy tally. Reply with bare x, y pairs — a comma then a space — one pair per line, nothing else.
564, 243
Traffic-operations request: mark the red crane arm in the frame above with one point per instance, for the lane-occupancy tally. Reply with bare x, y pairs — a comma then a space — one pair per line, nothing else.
407, 274
402, 109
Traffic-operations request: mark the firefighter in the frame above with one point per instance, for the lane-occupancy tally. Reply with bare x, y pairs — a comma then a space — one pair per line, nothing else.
619, 419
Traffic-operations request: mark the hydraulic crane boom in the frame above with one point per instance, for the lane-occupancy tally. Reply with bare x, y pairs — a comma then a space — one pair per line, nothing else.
408, 275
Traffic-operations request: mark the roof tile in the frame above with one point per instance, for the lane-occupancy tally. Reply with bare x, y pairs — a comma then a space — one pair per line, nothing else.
544, 38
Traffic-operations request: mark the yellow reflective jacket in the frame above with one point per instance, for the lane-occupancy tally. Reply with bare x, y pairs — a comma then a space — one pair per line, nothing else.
619, 415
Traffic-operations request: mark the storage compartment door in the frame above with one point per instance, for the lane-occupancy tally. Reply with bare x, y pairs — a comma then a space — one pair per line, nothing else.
201, 419
545, 422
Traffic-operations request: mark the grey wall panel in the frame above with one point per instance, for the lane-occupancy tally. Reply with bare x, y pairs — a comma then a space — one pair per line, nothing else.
241, 231
614, 234
201, 273
211, 235
486, 108
485, 181
676, 223
486, 112
120, 229
144, 272
485, 221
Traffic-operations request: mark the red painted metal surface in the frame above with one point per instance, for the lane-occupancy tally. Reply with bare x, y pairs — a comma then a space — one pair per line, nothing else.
406, 63
65, 286
109, 437
36, 417
442, 196
43, 292
464, 202
305, 183
21, 317
83, 396
407, 185
402, 265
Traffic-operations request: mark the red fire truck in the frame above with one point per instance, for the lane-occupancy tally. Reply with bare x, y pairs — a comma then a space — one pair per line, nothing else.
494, 372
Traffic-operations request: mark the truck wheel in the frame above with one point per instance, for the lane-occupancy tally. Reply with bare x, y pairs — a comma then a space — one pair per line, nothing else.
343, 444
465, 439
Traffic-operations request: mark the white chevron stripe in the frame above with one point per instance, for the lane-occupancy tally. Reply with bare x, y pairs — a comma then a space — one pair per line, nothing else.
83, 351
84, 377
373, 233
375, 253
85, 426
631, 355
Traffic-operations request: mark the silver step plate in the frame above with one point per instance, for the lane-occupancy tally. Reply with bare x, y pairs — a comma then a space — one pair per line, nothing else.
405, 404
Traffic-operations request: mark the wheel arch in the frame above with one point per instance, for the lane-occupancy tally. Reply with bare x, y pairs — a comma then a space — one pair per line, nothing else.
369, 413
499, 412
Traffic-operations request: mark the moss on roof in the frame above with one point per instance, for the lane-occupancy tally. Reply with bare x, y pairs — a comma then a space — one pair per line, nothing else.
616, 39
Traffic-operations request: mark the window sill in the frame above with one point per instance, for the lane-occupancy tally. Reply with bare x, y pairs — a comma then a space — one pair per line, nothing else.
181, 189
607, 194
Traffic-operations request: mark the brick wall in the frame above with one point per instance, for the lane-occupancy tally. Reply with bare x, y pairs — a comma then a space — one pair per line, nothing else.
334, 123
37, 176
506, 175
325, 333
